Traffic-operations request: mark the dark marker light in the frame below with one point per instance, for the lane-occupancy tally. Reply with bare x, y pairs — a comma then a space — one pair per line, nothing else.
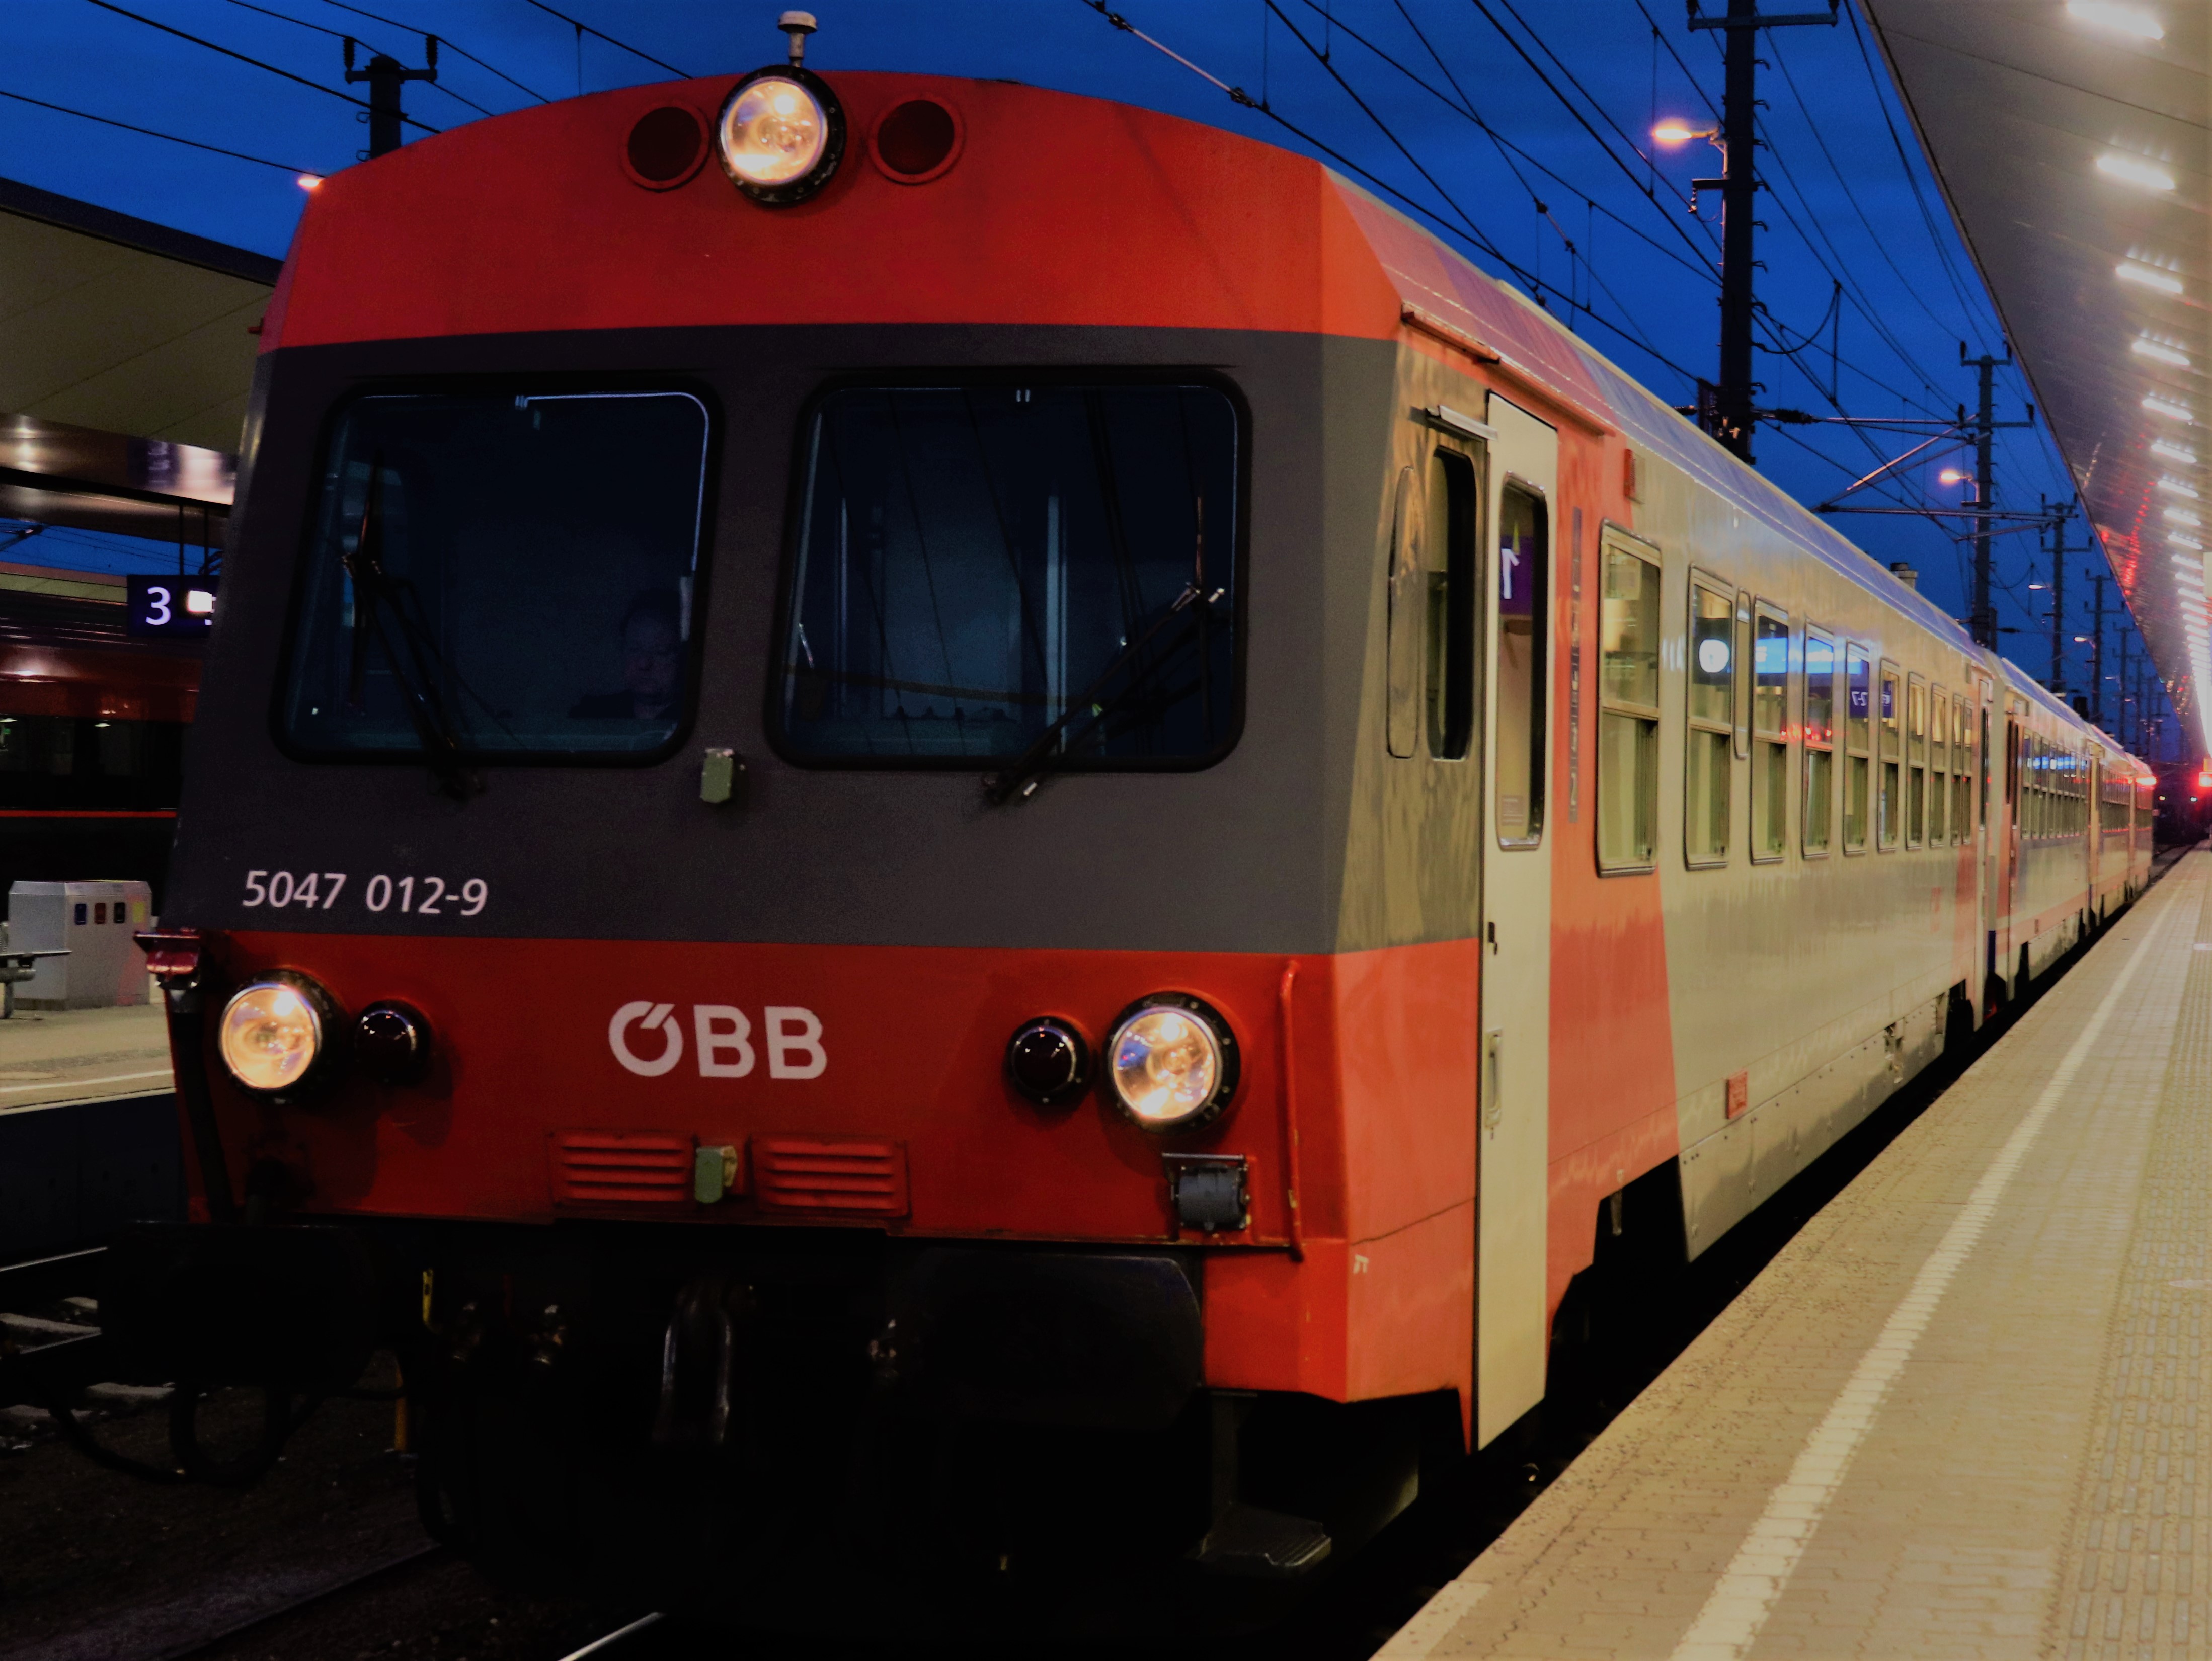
392, 1044
1047, 1062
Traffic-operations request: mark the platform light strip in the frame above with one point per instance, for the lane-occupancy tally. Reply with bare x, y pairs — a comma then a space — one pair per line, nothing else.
1742, 1600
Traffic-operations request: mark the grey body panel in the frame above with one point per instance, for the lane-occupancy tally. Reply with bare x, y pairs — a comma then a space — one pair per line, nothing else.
1246, 856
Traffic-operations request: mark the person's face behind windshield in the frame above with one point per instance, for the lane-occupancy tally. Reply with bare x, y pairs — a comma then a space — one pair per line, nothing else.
652, 664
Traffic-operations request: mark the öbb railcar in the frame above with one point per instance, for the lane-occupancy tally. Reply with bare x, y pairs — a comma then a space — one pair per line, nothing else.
938, 824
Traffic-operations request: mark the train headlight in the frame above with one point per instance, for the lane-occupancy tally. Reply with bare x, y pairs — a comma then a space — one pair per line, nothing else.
1172, 1062
780, 135
273, 1033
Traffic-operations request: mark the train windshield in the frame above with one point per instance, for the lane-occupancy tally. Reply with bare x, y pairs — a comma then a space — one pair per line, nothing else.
499, 576
1000, 571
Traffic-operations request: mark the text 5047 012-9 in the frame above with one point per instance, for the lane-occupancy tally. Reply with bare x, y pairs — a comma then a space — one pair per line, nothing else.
320, 890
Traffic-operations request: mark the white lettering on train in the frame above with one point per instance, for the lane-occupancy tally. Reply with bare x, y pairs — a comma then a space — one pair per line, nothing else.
721, 1040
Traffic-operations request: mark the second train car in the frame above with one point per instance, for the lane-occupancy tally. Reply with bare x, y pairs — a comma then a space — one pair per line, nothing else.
935, 823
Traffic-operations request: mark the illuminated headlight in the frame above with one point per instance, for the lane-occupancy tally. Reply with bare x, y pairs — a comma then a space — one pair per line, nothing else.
780, 135
274, 1032
1172, 1062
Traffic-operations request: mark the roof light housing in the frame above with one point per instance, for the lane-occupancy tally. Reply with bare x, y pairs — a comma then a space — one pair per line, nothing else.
780, 135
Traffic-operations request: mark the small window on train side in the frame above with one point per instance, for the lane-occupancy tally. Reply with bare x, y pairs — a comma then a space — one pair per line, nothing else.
1962, 774
1449, 641
990, 570
1523, 606
501, 576
1819, 742
1858, 742
1708, 744
1889, 782
1939, 765
1769, 734
1628, 716
1916, 772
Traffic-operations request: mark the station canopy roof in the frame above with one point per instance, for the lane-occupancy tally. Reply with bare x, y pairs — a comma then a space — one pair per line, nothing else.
125, 362
2070, 137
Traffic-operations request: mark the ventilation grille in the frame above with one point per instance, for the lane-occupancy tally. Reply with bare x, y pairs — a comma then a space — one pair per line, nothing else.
602, 1167
811, 1173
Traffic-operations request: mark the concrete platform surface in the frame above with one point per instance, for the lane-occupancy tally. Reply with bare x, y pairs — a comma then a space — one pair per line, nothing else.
1961, 1413
50, 1056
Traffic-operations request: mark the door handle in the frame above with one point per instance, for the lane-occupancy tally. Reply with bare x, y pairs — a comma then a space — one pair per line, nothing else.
1493, 1098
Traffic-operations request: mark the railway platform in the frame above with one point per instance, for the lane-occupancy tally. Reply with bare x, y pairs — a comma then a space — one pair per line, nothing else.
1964, 1413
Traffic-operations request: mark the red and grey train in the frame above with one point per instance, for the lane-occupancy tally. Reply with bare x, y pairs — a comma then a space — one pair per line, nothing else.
942, 824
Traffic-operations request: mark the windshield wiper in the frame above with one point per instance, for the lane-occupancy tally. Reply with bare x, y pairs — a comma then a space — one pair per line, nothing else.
1019, 775
415, 673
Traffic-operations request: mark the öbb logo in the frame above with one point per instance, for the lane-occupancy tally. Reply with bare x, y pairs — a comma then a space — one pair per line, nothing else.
722, 1040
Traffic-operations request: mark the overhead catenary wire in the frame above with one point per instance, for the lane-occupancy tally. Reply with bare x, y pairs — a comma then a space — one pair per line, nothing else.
154, 132
1508, 150
1635, 335
1384, 185
340, 35
583, 29
458, 51
258, 64
1912, 176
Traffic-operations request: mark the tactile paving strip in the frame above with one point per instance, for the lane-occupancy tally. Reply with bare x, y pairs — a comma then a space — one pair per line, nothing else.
2141, 1561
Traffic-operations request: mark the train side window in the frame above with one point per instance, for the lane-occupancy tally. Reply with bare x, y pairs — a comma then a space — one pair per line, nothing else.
1408, 612
1769, 734
1451, 611
1819, 742
1628, 716
1891, 780
1962, 776
1858, 736
1915, 760
1523, 606
1707, 743
1939, 763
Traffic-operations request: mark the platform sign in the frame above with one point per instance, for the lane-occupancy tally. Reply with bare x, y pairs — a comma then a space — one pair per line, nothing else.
165, 607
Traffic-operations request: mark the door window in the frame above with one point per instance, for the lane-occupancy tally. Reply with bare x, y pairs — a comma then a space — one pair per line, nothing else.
1523, 608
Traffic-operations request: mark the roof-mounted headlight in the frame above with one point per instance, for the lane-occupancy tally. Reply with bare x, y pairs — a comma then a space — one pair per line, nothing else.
780, 135
1171, 1063
277, 1034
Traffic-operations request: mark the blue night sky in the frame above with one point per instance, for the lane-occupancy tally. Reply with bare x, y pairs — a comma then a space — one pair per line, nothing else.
1613, 243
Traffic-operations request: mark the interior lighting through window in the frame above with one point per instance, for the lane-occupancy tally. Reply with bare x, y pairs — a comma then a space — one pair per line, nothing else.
2133, 21
2158, 352
2164, 406
2182, 516
2172, 452
2134, 170
2174, 487
2175, 539
2148, 276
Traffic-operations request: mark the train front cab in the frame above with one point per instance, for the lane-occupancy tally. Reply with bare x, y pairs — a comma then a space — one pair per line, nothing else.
667, 1113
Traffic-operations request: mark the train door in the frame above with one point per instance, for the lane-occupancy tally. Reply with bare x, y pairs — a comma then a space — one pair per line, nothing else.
2092, 832
1514, 1148
2010, 869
